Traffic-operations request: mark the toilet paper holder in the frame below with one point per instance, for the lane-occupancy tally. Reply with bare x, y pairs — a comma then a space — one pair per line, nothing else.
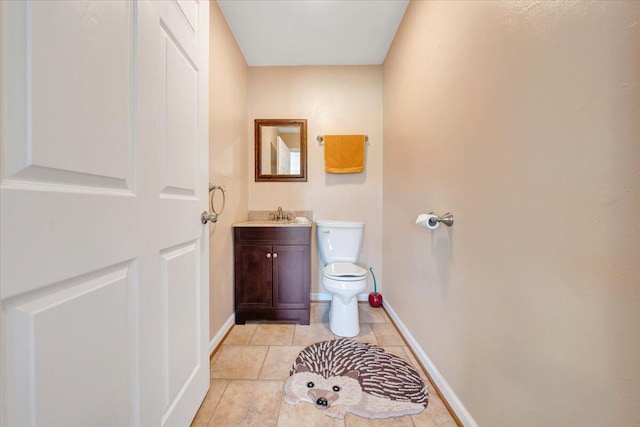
446, 219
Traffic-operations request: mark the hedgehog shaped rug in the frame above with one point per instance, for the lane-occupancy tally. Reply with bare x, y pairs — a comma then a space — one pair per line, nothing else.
341, 376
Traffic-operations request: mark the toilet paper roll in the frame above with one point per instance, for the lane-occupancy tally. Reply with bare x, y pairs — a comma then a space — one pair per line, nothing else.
428, 221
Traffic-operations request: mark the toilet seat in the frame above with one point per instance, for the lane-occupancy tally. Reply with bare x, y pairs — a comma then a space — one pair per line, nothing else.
344, 271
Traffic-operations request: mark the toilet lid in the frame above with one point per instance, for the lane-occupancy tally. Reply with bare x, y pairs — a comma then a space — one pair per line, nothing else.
344, 271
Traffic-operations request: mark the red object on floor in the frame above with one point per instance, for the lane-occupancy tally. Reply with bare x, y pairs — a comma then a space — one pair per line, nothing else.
375, 299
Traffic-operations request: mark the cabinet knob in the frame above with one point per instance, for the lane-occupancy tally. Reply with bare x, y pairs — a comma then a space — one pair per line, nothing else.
275, 255
268, 255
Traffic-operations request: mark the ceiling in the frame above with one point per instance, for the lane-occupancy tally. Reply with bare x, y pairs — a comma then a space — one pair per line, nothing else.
313, 32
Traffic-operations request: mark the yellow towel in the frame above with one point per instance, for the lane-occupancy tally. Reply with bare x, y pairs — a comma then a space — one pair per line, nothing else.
344, 153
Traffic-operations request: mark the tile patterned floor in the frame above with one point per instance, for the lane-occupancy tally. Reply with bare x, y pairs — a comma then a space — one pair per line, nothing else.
249, 370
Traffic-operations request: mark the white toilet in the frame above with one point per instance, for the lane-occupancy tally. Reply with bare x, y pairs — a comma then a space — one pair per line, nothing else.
339, 244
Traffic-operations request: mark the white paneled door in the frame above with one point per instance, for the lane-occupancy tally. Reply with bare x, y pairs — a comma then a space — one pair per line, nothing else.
103, 175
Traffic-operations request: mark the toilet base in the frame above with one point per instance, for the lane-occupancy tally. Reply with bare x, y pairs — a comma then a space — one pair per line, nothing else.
343, 318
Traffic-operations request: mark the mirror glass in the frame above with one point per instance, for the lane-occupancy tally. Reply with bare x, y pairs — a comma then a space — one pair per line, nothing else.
281, 149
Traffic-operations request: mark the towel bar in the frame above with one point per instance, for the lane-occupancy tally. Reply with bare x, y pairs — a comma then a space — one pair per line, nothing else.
320, 139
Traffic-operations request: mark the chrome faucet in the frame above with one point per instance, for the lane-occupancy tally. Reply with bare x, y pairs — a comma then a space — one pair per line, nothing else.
280, 215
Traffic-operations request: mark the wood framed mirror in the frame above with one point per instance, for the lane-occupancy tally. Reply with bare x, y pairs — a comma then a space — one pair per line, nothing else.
280, 150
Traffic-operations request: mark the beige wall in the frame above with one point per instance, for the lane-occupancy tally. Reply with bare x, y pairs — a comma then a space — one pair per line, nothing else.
228, 153
333, 100
523, 119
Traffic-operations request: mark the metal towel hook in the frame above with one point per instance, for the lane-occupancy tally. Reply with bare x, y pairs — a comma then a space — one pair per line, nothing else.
212, 192
213, 216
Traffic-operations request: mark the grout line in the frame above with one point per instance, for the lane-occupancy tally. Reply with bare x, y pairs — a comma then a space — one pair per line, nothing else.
219, 400
229, 381
282, 402
263, 362
253, 334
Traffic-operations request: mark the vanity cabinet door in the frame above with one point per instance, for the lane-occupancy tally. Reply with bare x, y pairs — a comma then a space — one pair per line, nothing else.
253, 270
291, 276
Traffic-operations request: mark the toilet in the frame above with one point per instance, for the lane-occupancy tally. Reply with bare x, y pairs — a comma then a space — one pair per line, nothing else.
339, 244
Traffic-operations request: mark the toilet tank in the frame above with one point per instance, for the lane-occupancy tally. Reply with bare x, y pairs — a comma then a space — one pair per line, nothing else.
339, 241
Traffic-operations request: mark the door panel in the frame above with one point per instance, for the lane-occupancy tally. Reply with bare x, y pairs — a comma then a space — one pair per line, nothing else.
55, 358
291, 276
63, 91
253, 276
103, 175
190, 11
181, 107
96, 151
283, 163
180, 289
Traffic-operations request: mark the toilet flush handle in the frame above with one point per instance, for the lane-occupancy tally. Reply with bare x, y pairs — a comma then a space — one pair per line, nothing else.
326, 231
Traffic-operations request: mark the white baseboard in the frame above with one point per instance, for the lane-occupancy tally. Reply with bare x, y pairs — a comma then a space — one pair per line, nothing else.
327, 297
215, 341
438, 379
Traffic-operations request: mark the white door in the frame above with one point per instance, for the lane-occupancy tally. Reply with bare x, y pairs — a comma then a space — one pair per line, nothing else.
103, 175
284, 157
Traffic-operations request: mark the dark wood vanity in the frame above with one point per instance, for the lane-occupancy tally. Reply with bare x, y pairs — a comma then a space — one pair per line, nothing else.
272, 273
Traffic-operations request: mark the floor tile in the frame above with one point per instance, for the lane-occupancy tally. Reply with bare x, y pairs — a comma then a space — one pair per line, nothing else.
239, 362
305, 414
370, 314
386, 317
308, 334
249, 369
240, 334
210, 402
215, 355
436, 414
273, 334
366, 335
355, 421
248, 403
321, 313
386, 334
279, 361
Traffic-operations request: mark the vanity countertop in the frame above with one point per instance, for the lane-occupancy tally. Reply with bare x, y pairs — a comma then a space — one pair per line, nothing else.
267, 223
261, 219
